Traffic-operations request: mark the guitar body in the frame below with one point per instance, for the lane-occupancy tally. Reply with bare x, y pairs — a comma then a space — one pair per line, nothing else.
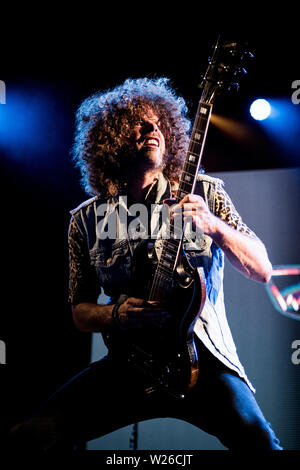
168, 354
186, 304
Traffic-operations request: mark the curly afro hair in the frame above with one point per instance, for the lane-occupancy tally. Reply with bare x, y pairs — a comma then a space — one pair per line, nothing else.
104, 122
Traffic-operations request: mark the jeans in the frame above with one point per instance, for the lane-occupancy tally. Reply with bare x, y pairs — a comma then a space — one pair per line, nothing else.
110, 394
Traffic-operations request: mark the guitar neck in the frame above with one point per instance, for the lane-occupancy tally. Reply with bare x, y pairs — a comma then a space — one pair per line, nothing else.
163, 277
193, 158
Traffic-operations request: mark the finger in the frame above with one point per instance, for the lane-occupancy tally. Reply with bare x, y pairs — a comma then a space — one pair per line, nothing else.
191, 213
191, 198
196, 207
186, 215
147, 312
157, 304
133, 301
194, 198
187, 207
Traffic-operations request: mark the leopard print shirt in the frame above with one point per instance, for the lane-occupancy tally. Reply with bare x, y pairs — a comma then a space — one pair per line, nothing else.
83, 282
225, 210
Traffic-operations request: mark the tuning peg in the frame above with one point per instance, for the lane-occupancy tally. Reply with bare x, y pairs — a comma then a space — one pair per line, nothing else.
234, 86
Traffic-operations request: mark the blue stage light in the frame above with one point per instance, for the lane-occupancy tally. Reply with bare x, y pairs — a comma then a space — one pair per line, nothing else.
32, 124
284, 126
260, 109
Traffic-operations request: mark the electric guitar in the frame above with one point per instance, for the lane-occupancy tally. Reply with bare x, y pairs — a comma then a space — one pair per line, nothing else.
169, 356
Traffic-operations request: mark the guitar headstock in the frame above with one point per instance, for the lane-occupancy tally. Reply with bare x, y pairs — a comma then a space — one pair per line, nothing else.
225, 68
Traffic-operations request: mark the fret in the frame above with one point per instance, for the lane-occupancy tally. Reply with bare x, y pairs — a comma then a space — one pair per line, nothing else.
167, 258
170, 244
185, 181
199, 125
185, 186
161, 285
202, 115
193, 158
165, 271
187, 177
180, 195
192, 154
198, 131
165, 263
190, 168
195, 148
170, 247
197, 135
195, 145
174, 242
188, 173
204, 109
163, 280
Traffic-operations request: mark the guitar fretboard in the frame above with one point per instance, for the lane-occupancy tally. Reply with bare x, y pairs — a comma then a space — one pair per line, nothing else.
163, 277
193, 158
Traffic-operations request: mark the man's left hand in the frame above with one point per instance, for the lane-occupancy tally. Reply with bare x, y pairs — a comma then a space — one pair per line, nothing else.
194, 208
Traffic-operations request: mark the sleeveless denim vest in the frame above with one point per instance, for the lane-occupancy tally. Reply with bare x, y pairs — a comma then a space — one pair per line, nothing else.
112, 259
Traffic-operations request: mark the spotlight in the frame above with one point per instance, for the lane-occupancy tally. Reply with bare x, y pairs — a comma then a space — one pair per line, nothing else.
260, 109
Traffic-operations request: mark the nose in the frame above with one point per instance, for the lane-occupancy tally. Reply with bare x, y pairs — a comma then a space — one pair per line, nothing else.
151, 127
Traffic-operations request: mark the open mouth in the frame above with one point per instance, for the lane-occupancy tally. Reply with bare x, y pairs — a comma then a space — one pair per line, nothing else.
152, 142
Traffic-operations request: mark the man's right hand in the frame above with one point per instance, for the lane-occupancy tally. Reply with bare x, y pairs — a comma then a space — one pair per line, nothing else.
139, 313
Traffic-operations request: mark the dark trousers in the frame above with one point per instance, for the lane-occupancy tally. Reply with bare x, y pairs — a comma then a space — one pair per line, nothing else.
110, 394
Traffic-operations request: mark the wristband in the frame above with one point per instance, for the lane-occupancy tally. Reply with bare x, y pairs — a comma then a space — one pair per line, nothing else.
115, 313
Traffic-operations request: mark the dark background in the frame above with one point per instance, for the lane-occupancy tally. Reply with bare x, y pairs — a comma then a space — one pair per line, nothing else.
51, 63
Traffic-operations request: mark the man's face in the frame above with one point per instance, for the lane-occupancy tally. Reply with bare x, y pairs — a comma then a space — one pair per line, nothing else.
148, 140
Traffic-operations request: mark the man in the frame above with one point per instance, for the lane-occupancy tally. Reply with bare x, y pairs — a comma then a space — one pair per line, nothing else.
130, 145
